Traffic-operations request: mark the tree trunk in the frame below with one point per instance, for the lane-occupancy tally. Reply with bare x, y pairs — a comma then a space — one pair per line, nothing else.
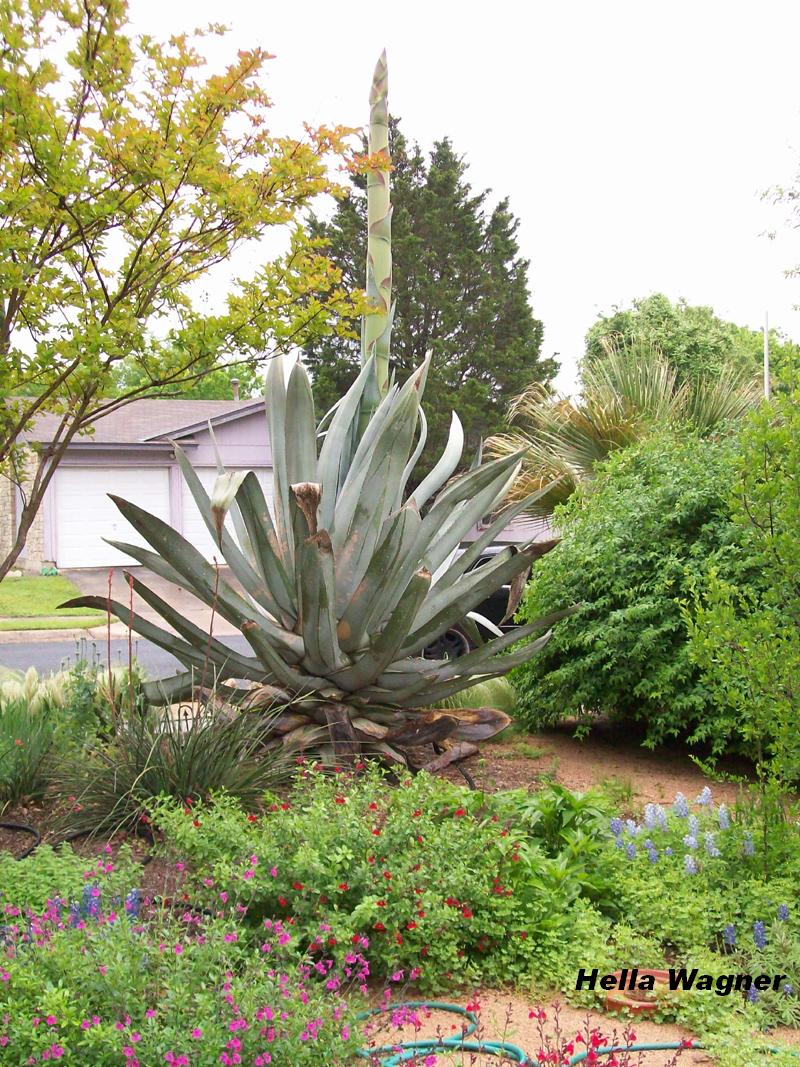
343, 736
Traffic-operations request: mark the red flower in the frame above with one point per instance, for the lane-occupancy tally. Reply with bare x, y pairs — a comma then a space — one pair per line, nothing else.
411, 925
387, 875
376, 832
344, 886
282, 901
285, 807
459, 812
466, 912
373, 806
421, 913
195, 822
297, 885
416, 814
398, 939
380, 928
452, 902
339, 800
252, 818
381, 903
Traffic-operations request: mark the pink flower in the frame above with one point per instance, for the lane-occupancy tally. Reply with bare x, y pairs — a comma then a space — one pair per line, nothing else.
223, 897
274, 872
197, 1033
150, 1013
231, 937
103, 969
178, 949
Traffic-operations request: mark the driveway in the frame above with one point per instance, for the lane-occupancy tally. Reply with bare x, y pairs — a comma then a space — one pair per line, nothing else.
95, 583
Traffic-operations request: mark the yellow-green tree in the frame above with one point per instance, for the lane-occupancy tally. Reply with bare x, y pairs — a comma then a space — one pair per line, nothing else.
128, 172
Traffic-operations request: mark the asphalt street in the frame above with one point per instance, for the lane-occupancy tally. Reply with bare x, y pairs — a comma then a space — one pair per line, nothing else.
47, 656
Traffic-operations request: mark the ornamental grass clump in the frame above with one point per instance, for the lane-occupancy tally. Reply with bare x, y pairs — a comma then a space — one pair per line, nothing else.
351, 574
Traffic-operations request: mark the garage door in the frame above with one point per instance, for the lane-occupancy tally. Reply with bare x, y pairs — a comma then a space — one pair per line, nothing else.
84, 515
194, 529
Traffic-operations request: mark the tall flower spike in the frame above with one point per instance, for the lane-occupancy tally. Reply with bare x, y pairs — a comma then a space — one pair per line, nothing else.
377, 326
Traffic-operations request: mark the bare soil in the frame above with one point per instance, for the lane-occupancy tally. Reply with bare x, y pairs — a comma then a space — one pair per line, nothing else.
612, 756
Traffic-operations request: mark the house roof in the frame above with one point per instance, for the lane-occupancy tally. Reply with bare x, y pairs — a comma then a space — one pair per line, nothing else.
148, 421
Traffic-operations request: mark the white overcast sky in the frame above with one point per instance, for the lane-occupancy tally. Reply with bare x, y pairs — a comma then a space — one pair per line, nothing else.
633, 137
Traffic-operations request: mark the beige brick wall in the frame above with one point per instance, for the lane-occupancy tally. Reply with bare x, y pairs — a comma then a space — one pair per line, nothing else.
34, 546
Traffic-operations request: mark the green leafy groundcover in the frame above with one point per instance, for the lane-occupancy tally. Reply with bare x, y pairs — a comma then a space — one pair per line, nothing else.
282, 917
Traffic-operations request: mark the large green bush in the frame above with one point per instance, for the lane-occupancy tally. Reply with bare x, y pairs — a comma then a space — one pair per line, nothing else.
746, 641
632, 543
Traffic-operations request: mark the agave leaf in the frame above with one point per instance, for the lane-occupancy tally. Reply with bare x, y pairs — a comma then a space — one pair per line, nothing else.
446, 606
459, 506
153, 562
238, 523
462, 563
225, 488
188, 562
266, 548
317, 599
409, 468
372, 492
383, 650
339, 445
187, 654
446, 465
166, 691
193, 634
301, 459
384, 582
256, 588
280, 439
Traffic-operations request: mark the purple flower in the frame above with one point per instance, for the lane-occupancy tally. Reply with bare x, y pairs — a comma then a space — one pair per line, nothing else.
655, 816
723, 818
711, 846
668, 851
752, 994
759, 934
788, 989
783, 912
705, 797
690, 864
616, 827
694, 824
652, 855
632, 828
631, 850
680, 807
748, 848
690, 841
729, 935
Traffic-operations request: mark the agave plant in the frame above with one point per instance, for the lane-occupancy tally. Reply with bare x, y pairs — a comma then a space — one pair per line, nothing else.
351, 576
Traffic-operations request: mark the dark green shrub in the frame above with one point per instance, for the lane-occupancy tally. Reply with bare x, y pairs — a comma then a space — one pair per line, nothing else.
656, 515
746, 641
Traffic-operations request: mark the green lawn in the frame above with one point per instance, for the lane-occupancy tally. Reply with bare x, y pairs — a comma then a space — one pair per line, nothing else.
31, 603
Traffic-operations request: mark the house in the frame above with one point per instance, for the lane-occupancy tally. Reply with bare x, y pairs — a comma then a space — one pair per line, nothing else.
130, 454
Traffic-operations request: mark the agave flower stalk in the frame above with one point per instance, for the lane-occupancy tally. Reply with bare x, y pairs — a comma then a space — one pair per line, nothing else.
350, 577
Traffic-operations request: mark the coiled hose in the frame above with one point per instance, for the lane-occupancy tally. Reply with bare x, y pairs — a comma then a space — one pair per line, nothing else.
408, 1051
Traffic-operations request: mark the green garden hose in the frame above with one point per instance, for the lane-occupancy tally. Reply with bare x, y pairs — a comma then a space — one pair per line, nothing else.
408, 1051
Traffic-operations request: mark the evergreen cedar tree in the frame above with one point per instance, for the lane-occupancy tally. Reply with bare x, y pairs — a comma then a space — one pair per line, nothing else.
461, 292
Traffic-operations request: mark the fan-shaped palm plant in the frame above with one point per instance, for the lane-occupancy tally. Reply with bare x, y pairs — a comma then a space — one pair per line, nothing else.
351, 577
624, 396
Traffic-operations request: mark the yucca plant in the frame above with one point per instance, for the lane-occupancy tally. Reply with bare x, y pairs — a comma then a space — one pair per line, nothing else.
624, 395
353, 576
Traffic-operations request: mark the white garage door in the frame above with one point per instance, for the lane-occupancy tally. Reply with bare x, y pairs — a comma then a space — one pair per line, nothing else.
194, 529
84, 515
